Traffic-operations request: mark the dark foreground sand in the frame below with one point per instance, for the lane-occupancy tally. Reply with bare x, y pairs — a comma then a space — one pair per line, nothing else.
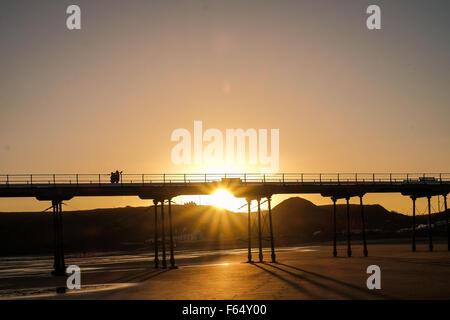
301, 273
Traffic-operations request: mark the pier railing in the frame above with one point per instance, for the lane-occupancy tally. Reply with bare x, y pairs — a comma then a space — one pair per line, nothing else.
273, 178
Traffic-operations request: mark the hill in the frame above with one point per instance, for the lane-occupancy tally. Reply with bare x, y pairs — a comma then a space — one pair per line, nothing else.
295, 220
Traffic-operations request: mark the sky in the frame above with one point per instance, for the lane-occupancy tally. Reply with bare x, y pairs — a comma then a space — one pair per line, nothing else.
109, 96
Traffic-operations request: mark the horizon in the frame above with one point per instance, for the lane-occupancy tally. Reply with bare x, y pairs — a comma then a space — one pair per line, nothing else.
421, 205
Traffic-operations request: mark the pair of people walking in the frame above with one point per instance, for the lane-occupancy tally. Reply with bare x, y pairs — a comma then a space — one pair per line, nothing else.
115, 176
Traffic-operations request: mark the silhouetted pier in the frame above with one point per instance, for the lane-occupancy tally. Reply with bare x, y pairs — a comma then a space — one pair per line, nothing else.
162, 188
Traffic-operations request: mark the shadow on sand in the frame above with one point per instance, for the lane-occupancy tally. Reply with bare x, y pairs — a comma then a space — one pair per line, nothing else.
319, 281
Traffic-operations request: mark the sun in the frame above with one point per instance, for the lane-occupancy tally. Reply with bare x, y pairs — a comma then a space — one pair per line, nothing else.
223, 199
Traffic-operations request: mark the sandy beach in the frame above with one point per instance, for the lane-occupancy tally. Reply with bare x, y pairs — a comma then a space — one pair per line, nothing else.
303, 272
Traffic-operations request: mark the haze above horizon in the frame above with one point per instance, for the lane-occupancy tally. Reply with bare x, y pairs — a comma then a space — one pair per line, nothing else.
108, 96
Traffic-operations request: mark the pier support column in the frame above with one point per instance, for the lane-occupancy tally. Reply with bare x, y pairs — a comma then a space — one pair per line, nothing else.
260, 231
414, 225
172, 256
155, 203
363, 223
334, 227
59, 265
349, 248
163, 237
249, 201
430, 231
446, 219
272, 244
55, 238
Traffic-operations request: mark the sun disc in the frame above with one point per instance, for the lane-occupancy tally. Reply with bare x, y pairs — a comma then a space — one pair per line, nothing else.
223, 199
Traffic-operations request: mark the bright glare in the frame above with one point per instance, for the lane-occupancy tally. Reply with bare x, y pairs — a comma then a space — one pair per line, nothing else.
223, 199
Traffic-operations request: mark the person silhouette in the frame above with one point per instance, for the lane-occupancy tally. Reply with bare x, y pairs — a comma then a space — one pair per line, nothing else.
118, 175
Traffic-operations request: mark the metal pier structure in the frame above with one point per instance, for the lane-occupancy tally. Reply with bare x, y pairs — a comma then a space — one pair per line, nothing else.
161, 188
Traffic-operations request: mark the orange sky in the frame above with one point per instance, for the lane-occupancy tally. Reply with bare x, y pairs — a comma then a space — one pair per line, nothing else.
107, 97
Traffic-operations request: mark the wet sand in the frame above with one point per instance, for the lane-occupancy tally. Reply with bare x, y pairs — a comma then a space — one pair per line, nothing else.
308, 272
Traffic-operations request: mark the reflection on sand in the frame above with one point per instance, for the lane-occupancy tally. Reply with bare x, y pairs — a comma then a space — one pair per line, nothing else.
43, 292
30, 276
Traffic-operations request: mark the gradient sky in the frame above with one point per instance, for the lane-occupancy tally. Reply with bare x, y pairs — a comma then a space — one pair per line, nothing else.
108, 96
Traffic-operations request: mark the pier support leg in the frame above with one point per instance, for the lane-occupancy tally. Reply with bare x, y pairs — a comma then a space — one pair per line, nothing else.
163, 237
414, 225
349, 248
58, 262
155, 203
61, 238
430, 231
334, 227
363, 223
249, 201
272, 244
172, 256
259, 231
55, 238
446, 219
